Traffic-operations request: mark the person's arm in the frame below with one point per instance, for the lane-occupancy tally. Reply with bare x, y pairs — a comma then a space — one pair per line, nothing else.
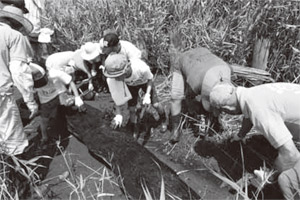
246, 127
22, 77
118, 119
147, 97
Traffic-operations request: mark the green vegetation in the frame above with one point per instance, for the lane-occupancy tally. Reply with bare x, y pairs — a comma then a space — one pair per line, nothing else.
227, 27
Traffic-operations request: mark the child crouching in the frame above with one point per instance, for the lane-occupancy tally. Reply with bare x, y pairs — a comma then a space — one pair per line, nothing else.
50, 86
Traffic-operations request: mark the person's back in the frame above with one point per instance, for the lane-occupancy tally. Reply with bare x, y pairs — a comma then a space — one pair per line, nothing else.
59, 60
279, 100
195, 63
9, 37
129, 50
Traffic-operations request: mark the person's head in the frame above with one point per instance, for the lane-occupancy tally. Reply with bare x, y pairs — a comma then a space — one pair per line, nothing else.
117, 66
17, 3
110, 43
39, 76
13, 16
90, 52
223, 99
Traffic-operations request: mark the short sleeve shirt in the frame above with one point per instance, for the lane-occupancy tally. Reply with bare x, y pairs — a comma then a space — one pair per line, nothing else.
57, 81
129, 50
59, 60
194, 64
274, 109
141, 73
12, 48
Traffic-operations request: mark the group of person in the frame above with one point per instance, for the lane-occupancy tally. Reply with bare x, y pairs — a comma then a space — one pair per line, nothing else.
271, 108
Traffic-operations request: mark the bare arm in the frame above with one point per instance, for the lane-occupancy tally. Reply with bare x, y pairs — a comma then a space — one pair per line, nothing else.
246, 127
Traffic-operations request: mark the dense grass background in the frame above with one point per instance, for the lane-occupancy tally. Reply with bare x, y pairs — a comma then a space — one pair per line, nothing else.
227, 27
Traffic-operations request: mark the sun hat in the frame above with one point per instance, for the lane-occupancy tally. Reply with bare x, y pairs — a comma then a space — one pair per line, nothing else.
16, 14
90, 50
214, 76
115, 65
220, 94
17, 3
38, 75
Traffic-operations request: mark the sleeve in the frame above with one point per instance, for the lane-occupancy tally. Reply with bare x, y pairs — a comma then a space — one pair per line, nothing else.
147, 74
272, 126
61, 76
18, 47
22, 77
132, 51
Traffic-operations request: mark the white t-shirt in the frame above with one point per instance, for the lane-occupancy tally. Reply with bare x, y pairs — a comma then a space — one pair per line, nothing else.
141, 73
59, 60
274, 109
57, 81
129, 50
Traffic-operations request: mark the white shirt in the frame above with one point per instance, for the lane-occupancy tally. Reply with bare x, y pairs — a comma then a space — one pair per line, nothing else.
57, 81
129, 50
274, 109
141, 73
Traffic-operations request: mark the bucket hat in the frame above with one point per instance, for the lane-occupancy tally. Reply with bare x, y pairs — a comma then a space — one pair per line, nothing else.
213, 76
18, 3
90, 50
115, 65
16, 14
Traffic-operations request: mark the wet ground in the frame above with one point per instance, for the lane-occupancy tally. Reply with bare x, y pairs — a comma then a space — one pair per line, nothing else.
187, 159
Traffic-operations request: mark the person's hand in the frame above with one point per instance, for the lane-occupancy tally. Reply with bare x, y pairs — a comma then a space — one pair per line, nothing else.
79, 104
236, 137
91, 87
78, 101
33, 108
147, 99
117, 121
33, 112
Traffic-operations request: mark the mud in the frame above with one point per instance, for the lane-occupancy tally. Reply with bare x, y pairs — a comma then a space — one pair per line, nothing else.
133, 163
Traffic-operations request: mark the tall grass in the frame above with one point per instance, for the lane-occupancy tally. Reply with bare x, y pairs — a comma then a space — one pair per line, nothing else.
227, 27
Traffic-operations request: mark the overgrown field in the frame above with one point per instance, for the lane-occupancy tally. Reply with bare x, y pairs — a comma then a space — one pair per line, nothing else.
227, 27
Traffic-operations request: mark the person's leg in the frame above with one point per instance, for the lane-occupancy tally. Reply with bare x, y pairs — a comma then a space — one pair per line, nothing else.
133, 119
289, 182
13, 139
288, 155
177, 94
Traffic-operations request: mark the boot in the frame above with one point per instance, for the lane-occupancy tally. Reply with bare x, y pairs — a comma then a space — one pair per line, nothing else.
136, 131
176, 131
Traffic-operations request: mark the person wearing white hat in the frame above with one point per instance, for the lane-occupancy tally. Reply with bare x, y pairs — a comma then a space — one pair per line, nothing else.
14, 71
87, 59
195, 73
94, 59
132, 75
274, 110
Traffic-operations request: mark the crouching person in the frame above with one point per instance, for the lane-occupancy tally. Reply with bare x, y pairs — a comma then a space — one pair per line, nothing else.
50, 85
273, 109
125, 78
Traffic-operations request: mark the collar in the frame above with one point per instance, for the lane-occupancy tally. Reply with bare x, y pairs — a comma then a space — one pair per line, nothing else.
241, 94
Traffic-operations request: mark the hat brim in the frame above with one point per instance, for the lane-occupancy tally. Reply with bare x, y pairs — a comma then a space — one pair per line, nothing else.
212, 77
106, 74
22, 20
89, 57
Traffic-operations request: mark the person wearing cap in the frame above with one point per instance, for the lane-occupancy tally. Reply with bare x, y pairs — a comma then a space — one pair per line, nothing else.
50, 85
272, 109
133, 74
195, 72
14, 71
110, 43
